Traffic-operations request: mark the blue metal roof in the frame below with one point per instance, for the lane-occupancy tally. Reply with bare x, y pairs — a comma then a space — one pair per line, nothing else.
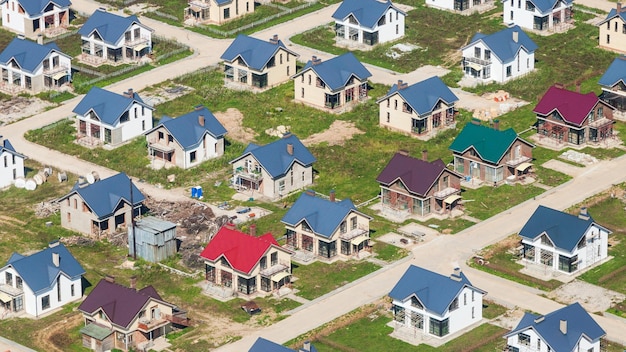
263, 345
578, 321
222, 2
423, 96
256, 53
322, 215
502, 44
39, 272
546, 5
337, 71
366, 12
564, 230
37, 7
186, 129
6, 146
434, 291
109, 26
105, 195
108, 106
274, 157
27, 54
615, 73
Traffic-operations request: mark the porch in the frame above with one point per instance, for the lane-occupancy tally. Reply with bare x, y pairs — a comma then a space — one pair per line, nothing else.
11, 301
468, 7
161, 155
428, 126
197, 11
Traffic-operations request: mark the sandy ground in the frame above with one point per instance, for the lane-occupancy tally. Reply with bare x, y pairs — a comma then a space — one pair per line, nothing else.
339, 132
593, 298
232, 120
18, 108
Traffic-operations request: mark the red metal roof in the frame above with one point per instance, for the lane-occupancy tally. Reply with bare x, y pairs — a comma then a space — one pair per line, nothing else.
241, 250
573, 106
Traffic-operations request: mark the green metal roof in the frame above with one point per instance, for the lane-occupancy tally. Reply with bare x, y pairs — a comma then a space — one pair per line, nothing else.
96, 331
489, 143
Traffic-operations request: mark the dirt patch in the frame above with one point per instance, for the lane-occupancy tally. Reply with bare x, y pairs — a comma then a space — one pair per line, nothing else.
232, 120
18, 108
161, 95
592, 297
336, 134
54, 337
217, 330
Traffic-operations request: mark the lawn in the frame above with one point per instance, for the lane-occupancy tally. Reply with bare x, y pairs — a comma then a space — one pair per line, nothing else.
317, 279
485, 202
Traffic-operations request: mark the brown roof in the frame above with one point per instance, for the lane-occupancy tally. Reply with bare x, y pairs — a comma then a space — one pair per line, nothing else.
417, 175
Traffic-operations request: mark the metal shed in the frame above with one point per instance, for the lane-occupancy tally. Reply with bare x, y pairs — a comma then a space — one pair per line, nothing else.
156, 239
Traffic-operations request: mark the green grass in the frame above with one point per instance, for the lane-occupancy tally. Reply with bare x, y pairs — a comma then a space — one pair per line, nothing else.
317, 279
485, 202
492, 310
389, 252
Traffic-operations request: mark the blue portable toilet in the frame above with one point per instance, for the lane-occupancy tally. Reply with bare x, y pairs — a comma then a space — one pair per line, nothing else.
199, 192
194, 192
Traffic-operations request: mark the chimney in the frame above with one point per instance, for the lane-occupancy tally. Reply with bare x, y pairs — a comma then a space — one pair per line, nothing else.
559, 85
310, 192
286, 135
198, 107
496, 124
315, 60
425, 155
475, 121
578, 87
253, 230
332, 195
39, 39
583, 215
201, 120
110, 278
290, 148
563, 326
133, 282
53, 243
402, 85
274, 39
456, 274
539, 320
229, 225
619, 7
403, 152
307, 346
515, 36
56, 259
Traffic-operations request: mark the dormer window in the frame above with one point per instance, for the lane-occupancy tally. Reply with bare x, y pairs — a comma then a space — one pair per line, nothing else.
416, 303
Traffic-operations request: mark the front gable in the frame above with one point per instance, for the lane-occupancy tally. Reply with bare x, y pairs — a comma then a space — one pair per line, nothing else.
398, 184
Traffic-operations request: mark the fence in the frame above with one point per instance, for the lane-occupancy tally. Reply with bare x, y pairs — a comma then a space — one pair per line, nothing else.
55, 124
165, 15
178, 272
47, 40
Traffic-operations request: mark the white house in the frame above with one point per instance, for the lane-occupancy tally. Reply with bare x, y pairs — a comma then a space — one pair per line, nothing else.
11, 163
30, 17
368, 21
570, 328
109, 37
110, 118
33, 67
462, 6
25, 287
499, 56
563, 242
539, 15
435, 305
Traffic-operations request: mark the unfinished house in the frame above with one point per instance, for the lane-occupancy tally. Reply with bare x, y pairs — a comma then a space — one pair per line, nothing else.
152, 239
613, 30
613, 83
101, 208
32, 17
216, 11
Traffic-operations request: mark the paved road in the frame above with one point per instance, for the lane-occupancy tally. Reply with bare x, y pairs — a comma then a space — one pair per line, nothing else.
12, 346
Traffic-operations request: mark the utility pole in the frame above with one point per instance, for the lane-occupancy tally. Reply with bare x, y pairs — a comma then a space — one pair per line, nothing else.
132, 219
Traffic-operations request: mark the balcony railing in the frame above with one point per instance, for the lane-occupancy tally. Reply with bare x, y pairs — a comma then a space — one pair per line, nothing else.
54, 69
354, 233
478, 61
199, 3
147, 325
517, 161
448, 191
249, 175
137, 41
267, 272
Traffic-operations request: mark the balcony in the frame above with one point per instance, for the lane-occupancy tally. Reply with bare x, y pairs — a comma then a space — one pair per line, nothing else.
10, 290
51, 71
250, 175
136, 42
478, 61
448, 191
360, 231
272, 270
146, 325
518, 161
198, 4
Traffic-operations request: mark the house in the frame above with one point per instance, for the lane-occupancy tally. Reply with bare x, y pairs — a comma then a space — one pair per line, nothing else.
120, 317
188, 140
216, 11
257, 63
155, 240
110, 118
334, 84
499, 57
39, 283
613, 30
570, 328
435, 305
321, 227
110, 38
102, 207
246, 263
539, 15
33, 67
11, 163
264, 345
421, 109
613, 83
484, 154
572, 118
563, 242
274, 170
31, 18
368, 22
418, 187
462, 6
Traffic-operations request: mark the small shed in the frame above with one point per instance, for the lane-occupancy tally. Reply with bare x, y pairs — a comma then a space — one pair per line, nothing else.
155, 239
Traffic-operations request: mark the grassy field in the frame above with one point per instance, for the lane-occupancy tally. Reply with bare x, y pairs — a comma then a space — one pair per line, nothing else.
317, 279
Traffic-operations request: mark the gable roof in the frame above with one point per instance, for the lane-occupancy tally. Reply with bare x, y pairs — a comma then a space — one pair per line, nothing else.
613, 14
38, 270
417, 175
108, 106
434, 291
6, 146
615, 74
547, 5
565, 230
37, 7
275, 158
337, 71
27, 54
110, 27
489, 143
256, 53
574, 107
241, 250
121, 304
322, 215
104, 196
502, 44
423, 96
263, 345
579, 324
366, 12
186, 129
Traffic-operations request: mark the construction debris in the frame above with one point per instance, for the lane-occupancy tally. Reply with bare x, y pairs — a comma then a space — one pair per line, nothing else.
45, 209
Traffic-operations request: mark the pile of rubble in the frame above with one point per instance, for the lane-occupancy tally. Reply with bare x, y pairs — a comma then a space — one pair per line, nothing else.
45, 209
77, 241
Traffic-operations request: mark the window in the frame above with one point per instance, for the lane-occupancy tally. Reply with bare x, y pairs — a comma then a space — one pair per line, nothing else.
319, 83
397, 29
161, 136
353, 223
388, 102
608, 39
58, 288
72, 292
487, 55
281, 186
136, 114
388, 117
302, 79
608, 25
472, 296
508, 71
236, 7
309, 79
519, 4
6, 161
416, 303
473, 314
396, 15
226, 13
75, 203
455, 304
302, 175
8, 279
395, 104
381, 21
274, 258
13, 159
616, 26
302, 91
343, 227
511, 13
306, 227
538, 344
263, 263
192, 157
45, 302
465, 299
288, 68
390, 18
523, 339
477, 52
439, 328
143, 125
